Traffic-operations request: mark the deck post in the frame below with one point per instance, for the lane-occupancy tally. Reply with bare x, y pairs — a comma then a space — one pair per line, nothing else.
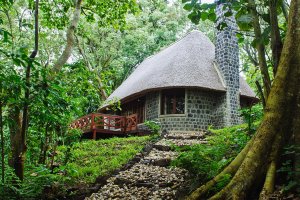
94, 134
93, 128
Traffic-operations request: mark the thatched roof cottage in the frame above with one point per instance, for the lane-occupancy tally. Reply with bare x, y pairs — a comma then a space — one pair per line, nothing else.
189, 85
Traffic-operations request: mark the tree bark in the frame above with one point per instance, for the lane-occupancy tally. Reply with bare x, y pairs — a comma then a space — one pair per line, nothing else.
260, 49
296, 135
19, 166
276, 43
70, 39
269, 183
2, 144
44, 146
15, 136
279, 114
261, 93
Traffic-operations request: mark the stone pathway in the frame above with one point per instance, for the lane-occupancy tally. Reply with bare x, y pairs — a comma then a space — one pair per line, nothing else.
152, 177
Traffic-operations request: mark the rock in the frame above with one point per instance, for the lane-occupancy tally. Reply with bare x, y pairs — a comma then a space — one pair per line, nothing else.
185, 135
168, 143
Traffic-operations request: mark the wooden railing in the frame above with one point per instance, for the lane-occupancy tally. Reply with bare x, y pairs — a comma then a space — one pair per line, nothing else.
131, 123
97, 122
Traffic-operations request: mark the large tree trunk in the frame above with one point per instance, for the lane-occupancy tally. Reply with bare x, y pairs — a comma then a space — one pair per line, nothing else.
19, 165
2, 143
15, 138
278, 120
296, 135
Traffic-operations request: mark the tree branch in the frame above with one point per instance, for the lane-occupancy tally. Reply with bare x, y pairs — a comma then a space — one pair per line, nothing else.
260, 50
70, 39
276, 43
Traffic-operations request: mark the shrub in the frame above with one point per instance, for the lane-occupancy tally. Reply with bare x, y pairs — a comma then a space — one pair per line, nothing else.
206, 160
252, 114
154, 126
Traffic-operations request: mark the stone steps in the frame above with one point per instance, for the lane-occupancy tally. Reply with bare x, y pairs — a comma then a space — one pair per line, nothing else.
155, 182
159, 158
151, 178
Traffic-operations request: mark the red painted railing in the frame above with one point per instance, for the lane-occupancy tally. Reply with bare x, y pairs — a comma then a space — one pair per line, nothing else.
97, 122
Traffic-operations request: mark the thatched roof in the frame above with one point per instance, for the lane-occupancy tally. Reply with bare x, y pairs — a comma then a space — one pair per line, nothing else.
189, 62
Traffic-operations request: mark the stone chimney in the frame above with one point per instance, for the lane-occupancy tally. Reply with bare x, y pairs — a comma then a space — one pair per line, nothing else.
227, 57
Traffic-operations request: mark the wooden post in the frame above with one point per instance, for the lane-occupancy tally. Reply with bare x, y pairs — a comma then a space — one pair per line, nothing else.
93, 128
94, 134
108, 123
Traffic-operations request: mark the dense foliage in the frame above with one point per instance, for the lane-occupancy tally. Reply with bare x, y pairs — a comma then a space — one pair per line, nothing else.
206, 160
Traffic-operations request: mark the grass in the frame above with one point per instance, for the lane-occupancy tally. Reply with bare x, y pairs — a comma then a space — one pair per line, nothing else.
89, 159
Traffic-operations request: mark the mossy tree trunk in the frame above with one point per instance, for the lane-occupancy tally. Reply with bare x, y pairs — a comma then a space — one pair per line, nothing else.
279, 122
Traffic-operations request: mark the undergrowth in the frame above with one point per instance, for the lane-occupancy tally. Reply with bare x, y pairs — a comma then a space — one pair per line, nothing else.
77, 165
205, 161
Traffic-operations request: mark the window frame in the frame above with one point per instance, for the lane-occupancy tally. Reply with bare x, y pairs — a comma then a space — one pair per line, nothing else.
160, 115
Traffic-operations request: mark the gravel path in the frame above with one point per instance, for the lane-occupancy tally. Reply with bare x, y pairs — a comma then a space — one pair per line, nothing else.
151, 177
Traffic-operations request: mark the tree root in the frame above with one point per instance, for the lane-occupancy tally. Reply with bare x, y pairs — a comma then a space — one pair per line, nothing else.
268, 187
269, 183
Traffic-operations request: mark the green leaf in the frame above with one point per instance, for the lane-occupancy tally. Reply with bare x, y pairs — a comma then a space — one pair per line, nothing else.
204, 16
212, 17
228, 13
241, 40
194, 17
188, 6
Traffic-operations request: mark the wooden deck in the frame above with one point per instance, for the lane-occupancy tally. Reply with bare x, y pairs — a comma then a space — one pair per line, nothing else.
98, 123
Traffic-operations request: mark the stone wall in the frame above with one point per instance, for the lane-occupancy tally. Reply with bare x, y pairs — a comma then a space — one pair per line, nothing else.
204, 108
152, 101
219, 111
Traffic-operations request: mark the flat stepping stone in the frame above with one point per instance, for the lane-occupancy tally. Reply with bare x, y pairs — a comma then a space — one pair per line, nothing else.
159, 176
185, 135
159, 158
166, 144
